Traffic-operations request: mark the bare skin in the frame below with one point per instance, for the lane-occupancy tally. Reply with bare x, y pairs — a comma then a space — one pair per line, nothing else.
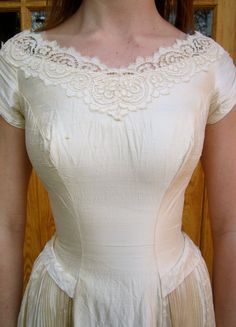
219, 162
15, 170
116, 32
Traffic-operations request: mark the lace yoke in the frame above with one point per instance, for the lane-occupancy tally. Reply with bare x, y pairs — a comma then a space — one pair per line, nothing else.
114, 91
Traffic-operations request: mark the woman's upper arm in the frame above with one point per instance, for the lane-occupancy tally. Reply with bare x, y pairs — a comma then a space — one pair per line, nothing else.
15, 171
219, 164
15, 166
219, 149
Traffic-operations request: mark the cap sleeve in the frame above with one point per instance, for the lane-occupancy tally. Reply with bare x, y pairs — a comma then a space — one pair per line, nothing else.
224, 94
10, 97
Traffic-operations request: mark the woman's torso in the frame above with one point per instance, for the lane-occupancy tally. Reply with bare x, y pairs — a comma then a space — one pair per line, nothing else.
115, 149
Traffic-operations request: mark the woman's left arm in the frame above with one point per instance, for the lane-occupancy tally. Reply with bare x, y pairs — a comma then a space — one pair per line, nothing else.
219, 164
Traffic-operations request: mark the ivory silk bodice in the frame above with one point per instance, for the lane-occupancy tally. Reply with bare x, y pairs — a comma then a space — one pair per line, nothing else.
115, 149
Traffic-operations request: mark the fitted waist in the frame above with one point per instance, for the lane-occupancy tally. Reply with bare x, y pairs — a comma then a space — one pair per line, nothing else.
113, 259
67, 279
118, 258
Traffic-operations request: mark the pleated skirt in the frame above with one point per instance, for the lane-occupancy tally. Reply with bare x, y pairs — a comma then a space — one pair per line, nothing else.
44, 304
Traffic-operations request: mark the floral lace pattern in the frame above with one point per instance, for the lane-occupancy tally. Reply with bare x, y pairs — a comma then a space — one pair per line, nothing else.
112, 91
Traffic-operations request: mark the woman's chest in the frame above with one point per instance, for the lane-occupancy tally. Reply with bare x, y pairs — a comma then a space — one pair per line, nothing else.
116, 126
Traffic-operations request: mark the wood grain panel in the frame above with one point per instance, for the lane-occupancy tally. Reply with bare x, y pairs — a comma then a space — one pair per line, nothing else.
226, 25
206, 243
193, 206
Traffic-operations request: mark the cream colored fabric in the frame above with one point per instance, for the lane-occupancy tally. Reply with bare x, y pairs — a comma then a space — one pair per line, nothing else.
189, 304
115, 148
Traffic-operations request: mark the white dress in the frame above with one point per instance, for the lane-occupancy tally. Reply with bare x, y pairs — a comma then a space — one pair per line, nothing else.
116, 148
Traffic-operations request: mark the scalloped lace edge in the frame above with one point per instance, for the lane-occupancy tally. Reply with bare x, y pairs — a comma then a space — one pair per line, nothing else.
123, 91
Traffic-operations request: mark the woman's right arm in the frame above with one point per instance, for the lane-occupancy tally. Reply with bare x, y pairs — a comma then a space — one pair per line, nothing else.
15, 171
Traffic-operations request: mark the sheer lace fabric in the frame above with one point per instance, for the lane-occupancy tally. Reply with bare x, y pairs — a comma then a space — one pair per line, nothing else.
113, 91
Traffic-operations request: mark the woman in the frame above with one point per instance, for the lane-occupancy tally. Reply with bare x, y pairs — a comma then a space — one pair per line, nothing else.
115, 133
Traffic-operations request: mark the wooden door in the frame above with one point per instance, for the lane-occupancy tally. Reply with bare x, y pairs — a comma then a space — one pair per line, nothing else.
215, 18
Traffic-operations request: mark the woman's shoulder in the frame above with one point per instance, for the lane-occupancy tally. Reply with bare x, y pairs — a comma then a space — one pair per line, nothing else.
197, 45
28, 41
28, 44
18, 44
14, 50
37, 56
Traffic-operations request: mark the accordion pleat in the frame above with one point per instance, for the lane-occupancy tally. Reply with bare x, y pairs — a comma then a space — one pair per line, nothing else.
190, 304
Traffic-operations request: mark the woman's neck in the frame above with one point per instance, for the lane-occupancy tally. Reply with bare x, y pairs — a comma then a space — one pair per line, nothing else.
118, 17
